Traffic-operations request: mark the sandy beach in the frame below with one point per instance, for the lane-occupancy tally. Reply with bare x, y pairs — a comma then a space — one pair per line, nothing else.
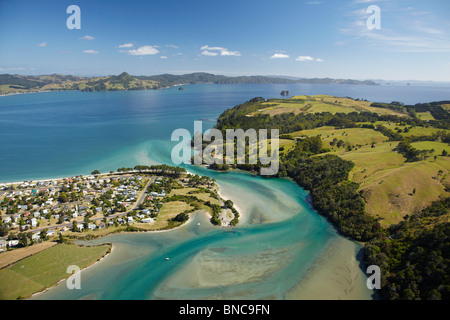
336, 275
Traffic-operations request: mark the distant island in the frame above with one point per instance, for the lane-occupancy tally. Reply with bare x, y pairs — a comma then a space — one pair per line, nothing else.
13, 84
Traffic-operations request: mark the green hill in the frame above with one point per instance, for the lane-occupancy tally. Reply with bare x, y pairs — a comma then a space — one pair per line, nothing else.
379, 172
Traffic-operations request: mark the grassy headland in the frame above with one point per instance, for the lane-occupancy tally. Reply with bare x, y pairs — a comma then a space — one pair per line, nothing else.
379, 172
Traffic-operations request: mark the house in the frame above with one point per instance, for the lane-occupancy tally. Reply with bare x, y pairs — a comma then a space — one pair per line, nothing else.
2, 243
147, 220
80, 226
65, 228
34, 222
130, 219
50, 232
36, 236
145, 211
13, 243
91, 226
102, 225
75, 214
7, 220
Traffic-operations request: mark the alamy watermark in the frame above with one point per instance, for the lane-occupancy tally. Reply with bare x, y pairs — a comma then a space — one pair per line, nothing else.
74, 280
373, 281
374, 21
74, 20
235, 143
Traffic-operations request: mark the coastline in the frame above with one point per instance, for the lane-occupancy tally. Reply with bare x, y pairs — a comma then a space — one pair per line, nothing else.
112, 247
65, 279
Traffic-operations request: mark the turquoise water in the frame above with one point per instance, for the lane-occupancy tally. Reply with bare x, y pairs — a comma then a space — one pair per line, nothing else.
280, 243
262, 259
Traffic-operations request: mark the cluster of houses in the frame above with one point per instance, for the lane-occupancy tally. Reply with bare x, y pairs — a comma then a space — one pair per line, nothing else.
31, 215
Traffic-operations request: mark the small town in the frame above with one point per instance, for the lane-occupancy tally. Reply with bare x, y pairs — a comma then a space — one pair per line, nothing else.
86, 207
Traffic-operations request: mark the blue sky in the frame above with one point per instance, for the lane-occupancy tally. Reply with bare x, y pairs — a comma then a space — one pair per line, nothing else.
311, 38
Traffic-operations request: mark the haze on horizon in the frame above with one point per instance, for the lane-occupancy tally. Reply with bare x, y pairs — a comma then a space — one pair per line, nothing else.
306, 39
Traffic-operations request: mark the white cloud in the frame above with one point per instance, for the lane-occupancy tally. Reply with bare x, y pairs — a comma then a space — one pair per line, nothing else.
143, 51
304, 58
230, 53
215, 51
86, 37
42, 44
319, 60
172, 46
90, 51
125, 45
163, 57
279, 56
209, 53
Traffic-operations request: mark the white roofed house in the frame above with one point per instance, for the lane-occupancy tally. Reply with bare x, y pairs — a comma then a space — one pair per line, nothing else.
50, 232
13, 243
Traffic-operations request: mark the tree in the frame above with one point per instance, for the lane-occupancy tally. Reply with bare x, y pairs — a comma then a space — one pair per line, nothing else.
74, 226
229, 204
23, 240
63, 197
95, 172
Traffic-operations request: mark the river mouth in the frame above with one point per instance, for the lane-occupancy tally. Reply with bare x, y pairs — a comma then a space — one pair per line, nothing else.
282, 249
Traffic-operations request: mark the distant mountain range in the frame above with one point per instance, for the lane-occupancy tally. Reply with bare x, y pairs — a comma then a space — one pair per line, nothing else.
10, 84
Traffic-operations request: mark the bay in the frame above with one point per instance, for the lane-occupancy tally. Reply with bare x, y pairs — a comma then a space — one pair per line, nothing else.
281, 249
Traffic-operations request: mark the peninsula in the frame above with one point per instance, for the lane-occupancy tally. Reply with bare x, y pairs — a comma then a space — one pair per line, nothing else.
379, 172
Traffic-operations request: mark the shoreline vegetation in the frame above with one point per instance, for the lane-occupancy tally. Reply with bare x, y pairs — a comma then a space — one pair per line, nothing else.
18, 84
379, 172
41, 215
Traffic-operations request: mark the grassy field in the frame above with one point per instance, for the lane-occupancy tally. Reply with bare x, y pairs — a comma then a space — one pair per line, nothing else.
414, 131
202, 196
438, 147
393, 188
316, 104
350, 136
168, 211
425, 116
45, 268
